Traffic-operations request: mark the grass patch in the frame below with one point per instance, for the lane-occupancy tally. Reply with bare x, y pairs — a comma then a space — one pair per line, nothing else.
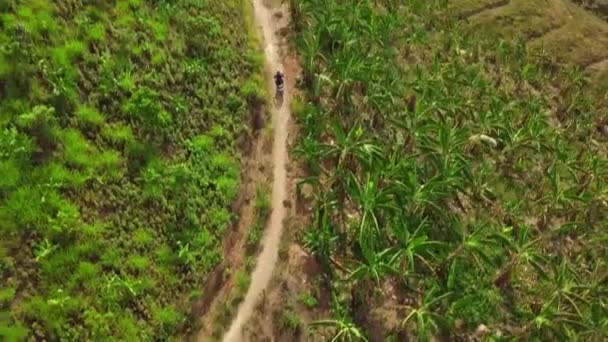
122, 209
262, 213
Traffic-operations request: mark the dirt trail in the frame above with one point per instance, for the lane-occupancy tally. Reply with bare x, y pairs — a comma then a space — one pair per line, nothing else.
267, 259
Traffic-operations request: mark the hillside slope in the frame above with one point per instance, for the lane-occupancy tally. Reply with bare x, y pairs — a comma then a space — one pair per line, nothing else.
119, 127
457, 185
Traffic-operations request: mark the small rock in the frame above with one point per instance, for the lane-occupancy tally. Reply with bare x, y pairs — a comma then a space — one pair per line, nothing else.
482, 330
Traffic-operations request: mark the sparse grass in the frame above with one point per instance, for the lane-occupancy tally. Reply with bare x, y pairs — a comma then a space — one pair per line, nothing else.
226, 309
268, 132
290, 320
308, 300
262, 212
262, 202
242, 281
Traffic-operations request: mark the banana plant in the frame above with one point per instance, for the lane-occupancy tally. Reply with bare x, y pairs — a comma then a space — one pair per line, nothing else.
322, 238
568, 291
475, 245
349, 146
443, 148
375, 265
312, 58
413, 245
523, 249
426, 320
372, 198
346, 331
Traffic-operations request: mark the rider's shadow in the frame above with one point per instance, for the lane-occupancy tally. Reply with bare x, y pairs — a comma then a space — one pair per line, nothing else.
278, 99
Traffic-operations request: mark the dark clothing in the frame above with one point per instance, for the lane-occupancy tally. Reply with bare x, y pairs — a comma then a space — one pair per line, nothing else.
279, 78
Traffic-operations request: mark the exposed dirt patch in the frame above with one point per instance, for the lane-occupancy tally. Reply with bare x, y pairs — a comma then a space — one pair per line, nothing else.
282, 314
218, 286
272, 16
599, 66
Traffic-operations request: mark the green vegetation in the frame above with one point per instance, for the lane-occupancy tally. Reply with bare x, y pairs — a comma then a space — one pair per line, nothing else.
308, 299
226, 309
467, 171
290, 321
262, 212
118, 129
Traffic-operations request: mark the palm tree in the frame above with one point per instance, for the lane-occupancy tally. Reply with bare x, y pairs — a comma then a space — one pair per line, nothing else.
310, 150
419, 195
568, 289
350, 151
597, 327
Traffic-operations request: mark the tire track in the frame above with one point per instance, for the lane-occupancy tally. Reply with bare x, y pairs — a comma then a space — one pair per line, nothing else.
597, 65
487, 7
268, 258
533, 37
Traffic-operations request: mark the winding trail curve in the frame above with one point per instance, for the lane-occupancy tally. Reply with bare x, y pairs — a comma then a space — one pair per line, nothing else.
280, 118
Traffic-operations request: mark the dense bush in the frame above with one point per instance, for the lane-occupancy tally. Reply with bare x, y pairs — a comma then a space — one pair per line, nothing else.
117, 161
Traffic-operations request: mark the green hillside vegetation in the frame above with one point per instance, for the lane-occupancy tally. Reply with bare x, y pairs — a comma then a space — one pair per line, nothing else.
460, 178
119, 122
565, 31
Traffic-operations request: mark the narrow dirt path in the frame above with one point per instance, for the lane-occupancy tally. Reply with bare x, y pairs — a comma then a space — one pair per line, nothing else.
267, 259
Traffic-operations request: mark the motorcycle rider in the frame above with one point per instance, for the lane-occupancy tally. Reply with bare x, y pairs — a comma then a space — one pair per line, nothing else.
279, 80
